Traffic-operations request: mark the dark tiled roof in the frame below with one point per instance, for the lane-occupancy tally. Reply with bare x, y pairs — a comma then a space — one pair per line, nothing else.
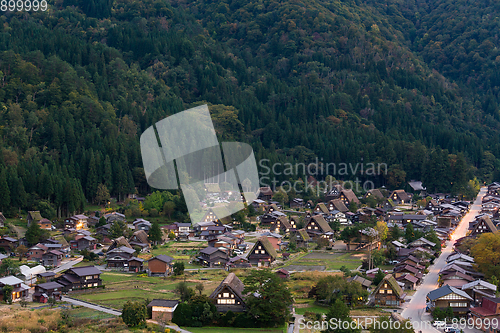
50, 285
86, 270
446, 290
167, 303
164, 258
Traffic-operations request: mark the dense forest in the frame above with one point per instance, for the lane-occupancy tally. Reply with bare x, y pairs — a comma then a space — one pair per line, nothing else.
354, 81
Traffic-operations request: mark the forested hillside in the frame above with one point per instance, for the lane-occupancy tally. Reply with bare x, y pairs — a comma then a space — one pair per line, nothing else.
345, 81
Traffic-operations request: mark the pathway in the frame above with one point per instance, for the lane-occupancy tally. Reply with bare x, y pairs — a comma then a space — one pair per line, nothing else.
91, 306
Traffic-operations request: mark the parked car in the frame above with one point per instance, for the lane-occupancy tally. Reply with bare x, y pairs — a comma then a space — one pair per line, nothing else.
451, 329
238, 252
393, 262
439, 324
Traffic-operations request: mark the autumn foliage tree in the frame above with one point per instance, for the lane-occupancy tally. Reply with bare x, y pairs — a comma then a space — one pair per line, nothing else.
486, 254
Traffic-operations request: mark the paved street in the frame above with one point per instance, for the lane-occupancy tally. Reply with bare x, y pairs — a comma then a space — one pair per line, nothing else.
67, 265
91, 306
415, 308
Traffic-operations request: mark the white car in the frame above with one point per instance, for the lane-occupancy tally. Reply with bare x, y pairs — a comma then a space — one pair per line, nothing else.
238, 252
439, 324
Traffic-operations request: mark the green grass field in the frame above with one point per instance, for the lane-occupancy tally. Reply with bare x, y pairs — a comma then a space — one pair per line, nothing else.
121, 287
116, 299
331, 261
310, 307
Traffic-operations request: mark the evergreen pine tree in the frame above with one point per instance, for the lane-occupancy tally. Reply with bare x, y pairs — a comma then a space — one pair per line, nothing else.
4, 191
155, 233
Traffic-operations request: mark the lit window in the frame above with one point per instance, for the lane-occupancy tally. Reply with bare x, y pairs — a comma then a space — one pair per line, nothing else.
381, 291
389, 291
226, 295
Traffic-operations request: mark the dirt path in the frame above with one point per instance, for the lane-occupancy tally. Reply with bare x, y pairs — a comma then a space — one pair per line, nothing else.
20, 231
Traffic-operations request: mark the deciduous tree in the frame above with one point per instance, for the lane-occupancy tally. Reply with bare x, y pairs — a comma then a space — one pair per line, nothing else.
269, 299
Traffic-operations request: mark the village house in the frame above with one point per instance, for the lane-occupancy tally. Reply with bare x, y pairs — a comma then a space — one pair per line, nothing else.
52, 258
162, 310
302, 238
213, 257
142, 224
317, 227
297, 203
80, 277
238, 262
448, 296
422, 242
483, 225
34, 216
274, 239
36, 251
135, 264
348, 197
104, 230
321, 209
389, 292
487, 312
409, 281
77, 222
337, 204
114, 216
455, 279
44, 291
8, 244
46, 276
400, 197
402, 220
225, 242
228, 295
265, 193
262, 253
334, 192
161, 265
478, 289
82, 242
199, 227
20, 290
281, 224
365, 283
120, 241
259, 205
139, 239
375, 193
118, 257
218, 214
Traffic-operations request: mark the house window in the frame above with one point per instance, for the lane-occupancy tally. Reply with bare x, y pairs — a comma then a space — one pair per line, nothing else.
385, 285
458, 305
260, 247
263, 252
389, 291
226, 295
381, 291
